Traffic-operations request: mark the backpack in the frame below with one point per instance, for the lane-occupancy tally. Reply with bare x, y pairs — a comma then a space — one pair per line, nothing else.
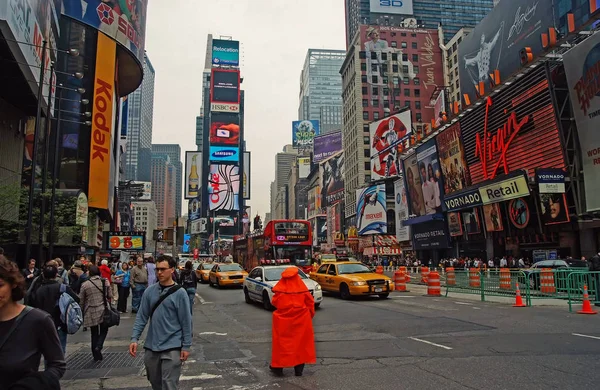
188, 279
70, 311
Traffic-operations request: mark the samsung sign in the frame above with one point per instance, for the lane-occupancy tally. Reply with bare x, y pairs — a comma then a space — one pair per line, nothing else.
225, 52
401, 7
221, 153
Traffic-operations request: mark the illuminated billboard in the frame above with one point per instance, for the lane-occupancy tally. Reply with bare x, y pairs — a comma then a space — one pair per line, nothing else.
387, 137
224, 153
192, 174
371, 210
224, 187
225, 52
304, 132
398, 7
131, 241
225, 86
224, 129
332, 180
326, 145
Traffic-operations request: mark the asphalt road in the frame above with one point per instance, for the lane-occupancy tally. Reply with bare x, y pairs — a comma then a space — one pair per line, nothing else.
404, 342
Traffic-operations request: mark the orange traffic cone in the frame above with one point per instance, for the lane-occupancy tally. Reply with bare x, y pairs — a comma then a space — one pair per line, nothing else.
587, 307
519, 300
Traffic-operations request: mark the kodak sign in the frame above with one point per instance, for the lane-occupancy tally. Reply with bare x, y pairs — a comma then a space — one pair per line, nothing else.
102, 124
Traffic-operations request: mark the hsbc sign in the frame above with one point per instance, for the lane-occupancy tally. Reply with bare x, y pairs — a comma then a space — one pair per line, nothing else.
225, 107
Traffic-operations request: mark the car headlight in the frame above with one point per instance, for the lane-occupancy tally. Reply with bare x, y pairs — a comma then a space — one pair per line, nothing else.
224, 277
362, 283
317, 287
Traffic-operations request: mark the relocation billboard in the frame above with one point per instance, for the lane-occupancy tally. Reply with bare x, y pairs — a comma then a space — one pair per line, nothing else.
496, 41
326, 145
401, 211
452, 160
332, 180
303, 167
224, 153
123, 21
387, 136
225, 52
101, 145
225, 86
401, 7
246, 179
224, 187
432, 182
581, 67
371, 210
412, 181
224, 129
192, 174
304, 132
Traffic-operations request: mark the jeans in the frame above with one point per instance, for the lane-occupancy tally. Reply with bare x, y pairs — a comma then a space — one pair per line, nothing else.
123, 295
99, 333
136, 297
163, 369
62, 337
191, 294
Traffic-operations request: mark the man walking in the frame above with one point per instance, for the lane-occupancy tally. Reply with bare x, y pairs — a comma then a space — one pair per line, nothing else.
166, 307
139, 282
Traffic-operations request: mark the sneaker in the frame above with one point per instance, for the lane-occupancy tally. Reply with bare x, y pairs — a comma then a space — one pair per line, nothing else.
276, 371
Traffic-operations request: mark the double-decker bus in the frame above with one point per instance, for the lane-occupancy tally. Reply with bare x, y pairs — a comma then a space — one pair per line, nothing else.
289, 239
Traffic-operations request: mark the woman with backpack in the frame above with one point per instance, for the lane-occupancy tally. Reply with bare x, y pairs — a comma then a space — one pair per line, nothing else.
94, 294
189, 282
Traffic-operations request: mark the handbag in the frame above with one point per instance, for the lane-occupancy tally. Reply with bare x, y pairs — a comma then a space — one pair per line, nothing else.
110, 317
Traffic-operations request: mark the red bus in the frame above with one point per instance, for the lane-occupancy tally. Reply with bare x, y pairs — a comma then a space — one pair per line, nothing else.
281, 239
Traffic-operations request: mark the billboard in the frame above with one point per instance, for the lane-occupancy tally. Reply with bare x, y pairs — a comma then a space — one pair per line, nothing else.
147, 190
130, 241
581, 64
432, 182
224, 187
554, 209
304, 132
320, 233
471, 221
401, 211
194, 209
303, 167
387, 136
496, 41
371, 210
326, 145
314, 202
225, 52
439, 107
224, 153
123, 21
186, 243
103, 112
412, 181
332, 180
452, 160
192, 175
430, 235
225, 86
454, 225
224, 129
492, 217
246, 178
550, 181
401, 7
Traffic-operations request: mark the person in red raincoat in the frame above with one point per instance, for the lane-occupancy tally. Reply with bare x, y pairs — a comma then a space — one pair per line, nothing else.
293, 336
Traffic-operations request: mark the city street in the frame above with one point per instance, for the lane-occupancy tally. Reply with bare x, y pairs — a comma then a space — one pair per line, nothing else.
407, 341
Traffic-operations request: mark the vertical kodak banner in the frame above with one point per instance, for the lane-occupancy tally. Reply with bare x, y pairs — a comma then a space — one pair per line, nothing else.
102, 115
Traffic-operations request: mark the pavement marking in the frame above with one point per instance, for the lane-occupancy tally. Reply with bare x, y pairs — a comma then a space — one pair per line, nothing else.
201, 376
202, 301
402, 296
430, 343
464, 303
476, 308
585, 335
215, 333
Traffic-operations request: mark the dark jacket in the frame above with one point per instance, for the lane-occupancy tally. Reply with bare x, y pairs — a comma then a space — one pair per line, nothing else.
46, 296
76, 281
37, 381
25, 272
188, 274
595, 263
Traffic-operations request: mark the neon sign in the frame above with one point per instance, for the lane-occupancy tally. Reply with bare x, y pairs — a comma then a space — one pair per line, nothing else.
487, 146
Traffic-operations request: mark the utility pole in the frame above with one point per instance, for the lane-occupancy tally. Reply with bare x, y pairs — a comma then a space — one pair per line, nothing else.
174, 248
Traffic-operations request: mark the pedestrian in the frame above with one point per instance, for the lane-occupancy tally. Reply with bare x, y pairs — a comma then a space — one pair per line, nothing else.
77, 275
189, 282
139, 282
93, 293
123, 276
114, 285
30, 273
26, 334
151, 267
165, 307
594, 266
105, 271
46, 297
293, 340
62, 272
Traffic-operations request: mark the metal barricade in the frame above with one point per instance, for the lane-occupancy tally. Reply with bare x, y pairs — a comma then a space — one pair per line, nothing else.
576, 282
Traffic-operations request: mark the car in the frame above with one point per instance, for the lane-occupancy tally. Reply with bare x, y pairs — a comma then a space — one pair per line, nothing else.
226, 275
532, 274
258, 286
352, 279
202, 272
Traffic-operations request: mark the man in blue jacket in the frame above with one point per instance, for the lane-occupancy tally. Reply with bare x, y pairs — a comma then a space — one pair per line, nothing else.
166, 306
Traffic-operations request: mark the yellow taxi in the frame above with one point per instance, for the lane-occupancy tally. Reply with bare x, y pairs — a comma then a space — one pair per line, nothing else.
350, 278
226, 275
203, 271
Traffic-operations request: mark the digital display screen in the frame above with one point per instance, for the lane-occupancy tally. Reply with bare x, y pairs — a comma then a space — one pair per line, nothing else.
225, 86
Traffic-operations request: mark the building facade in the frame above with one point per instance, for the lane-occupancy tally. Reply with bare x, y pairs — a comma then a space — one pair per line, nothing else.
279, 198
321, 88
450, 54
162, 180
145, 218
174, 153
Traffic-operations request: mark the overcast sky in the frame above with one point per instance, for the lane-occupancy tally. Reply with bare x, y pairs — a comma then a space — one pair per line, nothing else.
274, 37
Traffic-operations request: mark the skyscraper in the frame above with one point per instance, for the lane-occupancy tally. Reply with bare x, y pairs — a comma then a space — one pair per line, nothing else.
174, 153
162, 193
283, 165
321, 88
140, 107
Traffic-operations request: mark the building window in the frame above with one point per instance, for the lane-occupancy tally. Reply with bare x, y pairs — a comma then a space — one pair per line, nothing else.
416, 81
405, 69
417, 93
365, 102
375, 115
363, 78
386, 91
418, 117
365, 90
418, 105
373, 67
367, 178
375, 91
363, 66
404, 46
384, 56
407, 104
396, 91
374, 79
406, 92
375, 103
366, 140
394, 44
416, 69
366, 115
367, 166
366, 128
404, 57
414, 45
406, 80
415, 58
394, 56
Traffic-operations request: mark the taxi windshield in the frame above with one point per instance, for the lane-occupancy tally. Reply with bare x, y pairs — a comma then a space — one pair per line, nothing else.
207, 266
352, 269
274, 274
229, 267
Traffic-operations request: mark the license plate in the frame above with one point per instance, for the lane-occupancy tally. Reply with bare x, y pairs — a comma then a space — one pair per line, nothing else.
237, 281
378, 289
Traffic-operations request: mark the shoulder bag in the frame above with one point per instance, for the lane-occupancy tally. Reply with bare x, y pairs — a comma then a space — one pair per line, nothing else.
111, 317
21, 315
172, 290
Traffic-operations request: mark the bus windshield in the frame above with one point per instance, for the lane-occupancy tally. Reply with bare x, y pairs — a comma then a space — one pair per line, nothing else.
298, 255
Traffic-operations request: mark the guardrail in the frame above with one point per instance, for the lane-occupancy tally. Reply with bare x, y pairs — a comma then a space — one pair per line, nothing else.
501, 283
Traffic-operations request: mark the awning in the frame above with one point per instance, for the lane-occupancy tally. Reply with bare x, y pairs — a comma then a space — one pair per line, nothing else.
384, 250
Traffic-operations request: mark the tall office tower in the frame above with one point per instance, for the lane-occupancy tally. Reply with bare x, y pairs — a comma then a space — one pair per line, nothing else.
145, 217
200, 131
163, 179
321, 88
283, 163
174, 153
140, 108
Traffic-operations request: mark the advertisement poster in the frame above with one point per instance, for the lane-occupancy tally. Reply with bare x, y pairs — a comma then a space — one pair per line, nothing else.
320, 233
439, 107
430, 235
314, 202
471, 221
224, 187
186, 244
326, 145
452, 160
224, 153
454, 225
246, 179
432, 183
332, 180
192, 174
225, 52
401, 211
132, 241
194, 206
518, 213
303, 167
581, 64
330, 222
554, 209
387, 135
371, 210
147, 190
492, 217
412, 179
550, 181
224, 129
404, 7
225, 86
304, 133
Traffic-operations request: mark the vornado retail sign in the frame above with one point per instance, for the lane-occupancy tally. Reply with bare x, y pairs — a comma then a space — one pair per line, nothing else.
463, 200
225, 107
102, 124
507, 189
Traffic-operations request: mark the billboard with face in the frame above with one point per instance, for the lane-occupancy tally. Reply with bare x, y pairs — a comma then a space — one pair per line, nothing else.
303, 133
332, 180
314, 202
387, 136
432, 182
452, 160
439, 107
412, 179
371, 210
326, 145
224, 129
225, 86
224, 187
